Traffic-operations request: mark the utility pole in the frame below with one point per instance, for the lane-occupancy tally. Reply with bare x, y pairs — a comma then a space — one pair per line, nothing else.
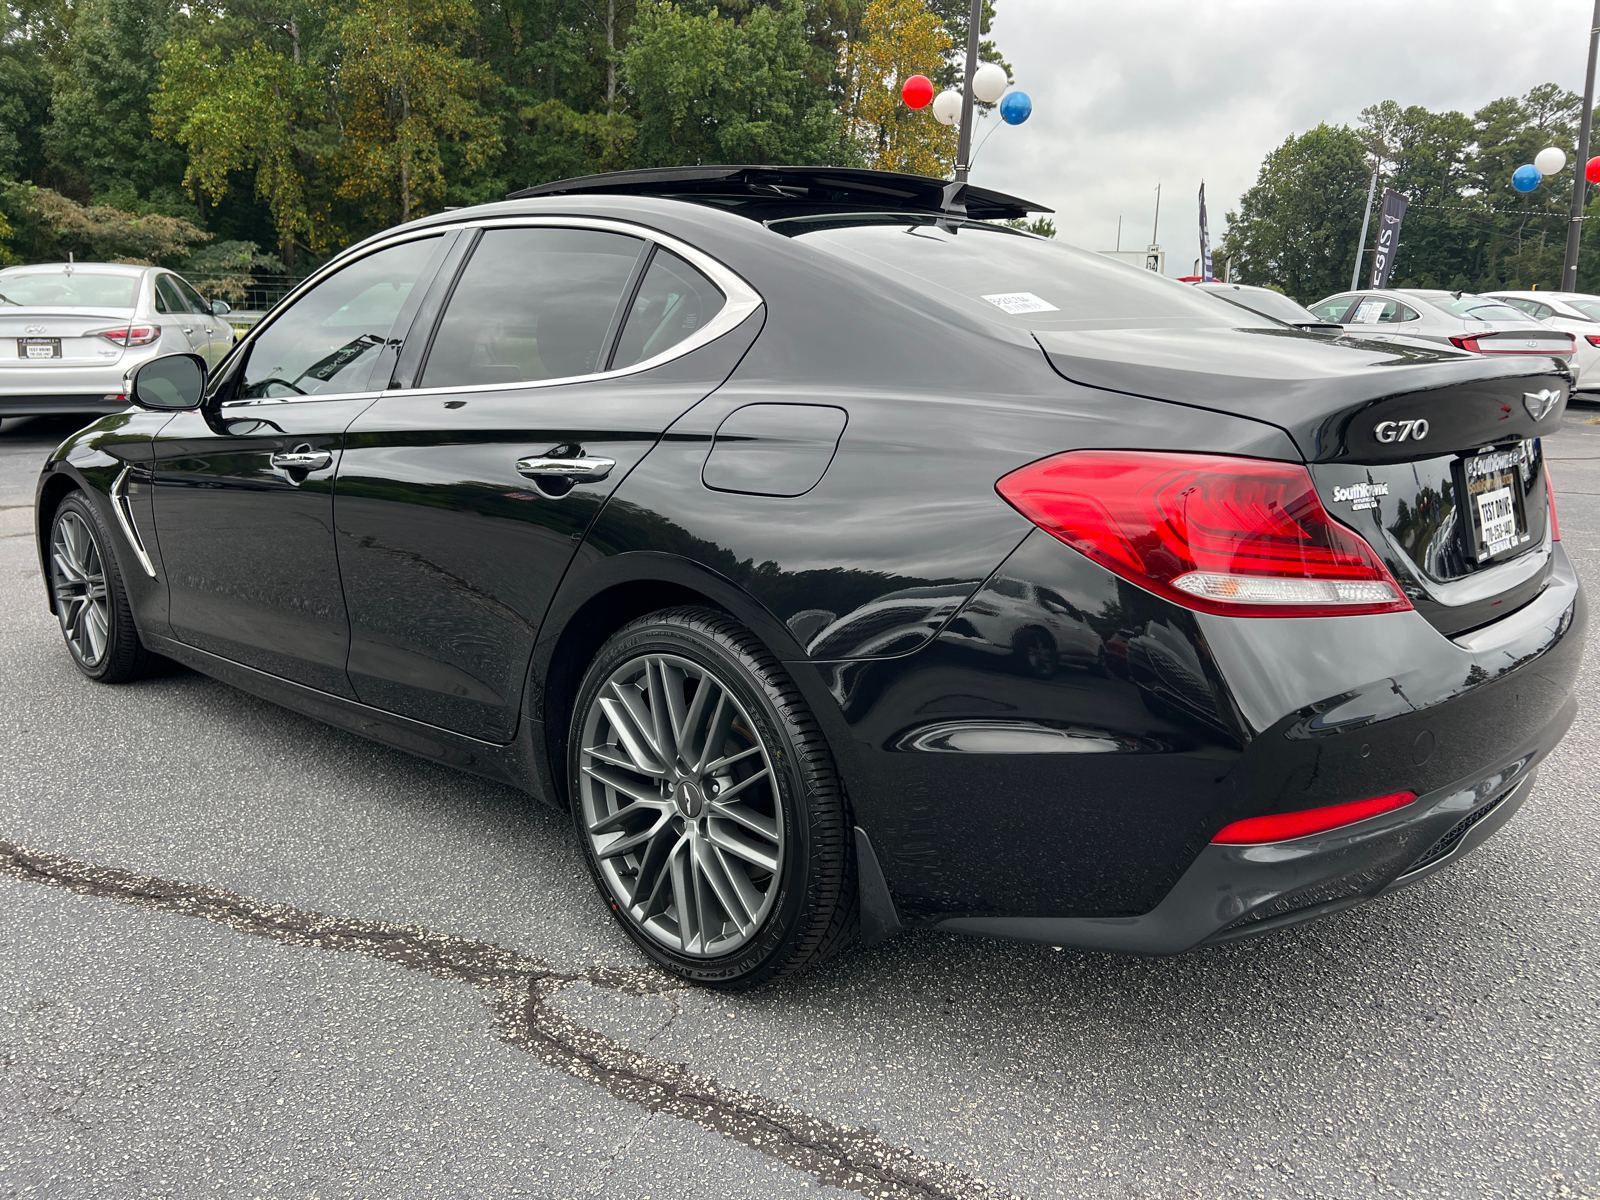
1361, 243
954, 193
1156, 228
1569, 274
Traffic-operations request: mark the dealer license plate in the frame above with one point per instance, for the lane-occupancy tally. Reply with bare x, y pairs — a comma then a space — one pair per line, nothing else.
1496, 516
38, 347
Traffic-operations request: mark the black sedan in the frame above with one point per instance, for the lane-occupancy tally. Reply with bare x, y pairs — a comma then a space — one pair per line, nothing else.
845, 562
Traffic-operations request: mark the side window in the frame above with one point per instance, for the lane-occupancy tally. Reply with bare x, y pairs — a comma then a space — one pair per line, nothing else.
532, 303
1543, 311
1333, 310
197, 302
673, 301
168, 298
328, 340
1404, 313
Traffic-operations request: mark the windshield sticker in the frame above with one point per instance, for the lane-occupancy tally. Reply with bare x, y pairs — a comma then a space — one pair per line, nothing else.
1367, 313
1020, 302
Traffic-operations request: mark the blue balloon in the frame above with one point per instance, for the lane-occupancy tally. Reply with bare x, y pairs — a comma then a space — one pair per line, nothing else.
1016, 108
1525, 178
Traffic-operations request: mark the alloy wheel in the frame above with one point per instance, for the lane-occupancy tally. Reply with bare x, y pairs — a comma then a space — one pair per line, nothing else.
681, 805
78, 577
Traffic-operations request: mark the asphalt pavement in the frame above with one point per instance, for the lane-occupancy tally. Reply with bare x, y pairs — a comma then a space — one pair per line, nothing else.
246, 955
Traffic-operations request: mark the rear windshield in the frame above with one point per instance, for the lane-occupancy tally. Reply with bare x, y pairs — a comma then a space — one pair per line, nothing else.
1010, 276
1261, 300
1477, 308
81, 288
1589, 308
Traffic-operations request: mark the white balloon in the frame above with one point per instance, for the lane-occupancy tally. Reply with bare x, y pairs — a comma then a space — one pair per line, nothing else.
1550, 160
989, 82
947, 107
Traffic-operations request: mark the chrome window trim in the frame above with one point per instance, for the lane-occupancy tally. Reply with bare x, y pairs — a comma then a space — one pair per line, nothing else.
742, 300
255, 401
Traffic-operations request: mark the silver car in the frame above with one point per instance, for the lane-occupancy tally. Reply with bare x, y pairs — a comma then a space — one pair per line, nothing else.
1475, 323
71, 332
1575, 312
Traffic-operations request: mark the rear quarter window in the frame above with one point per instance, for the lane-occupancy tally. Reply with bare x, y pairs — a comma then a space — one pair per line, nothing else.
1004, 276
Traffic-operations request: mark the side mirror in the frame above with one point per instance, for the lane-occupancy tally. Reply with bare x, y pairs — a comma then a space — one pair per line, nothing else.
171, 382
220, 308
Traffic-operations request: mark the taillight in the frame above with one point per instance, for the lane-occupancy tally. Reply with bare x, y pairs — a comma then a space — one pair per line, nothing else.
1283, 826
128, 335
1550, 494
1592, 338
1236, 536
1495, 345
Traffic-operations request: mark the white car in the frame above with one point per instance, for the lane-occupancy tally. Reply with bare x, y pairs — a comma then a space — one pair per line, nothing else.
1575, 312
71, 332
1476, 324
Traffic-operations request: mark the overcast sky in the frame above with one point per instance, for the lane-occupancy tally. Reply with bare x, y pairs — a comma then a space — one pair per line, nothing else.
1127, 92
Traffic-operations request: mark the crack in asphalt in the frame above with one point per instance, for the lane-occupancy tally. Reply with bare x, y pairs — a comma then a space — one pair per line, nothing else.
520, 986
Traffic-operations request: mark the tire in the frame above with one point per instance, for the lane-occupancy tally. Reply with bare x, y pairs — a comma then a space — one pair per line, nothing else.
732, 892
91, 603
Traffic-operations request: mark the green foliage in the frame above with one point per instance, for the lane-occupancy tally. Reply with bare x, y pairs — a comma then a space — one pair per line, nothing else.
1041, 226
1466, 228
225, 270
52, 225
709, 89
1298, 226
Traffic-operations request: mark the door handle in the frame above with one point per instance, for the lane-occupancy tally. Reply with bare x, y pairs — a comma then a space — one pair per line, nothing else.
565, 468
302, 460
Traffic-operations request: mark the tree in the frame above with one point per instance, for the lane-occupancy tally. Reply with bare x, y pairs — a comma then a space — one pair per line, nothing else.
248, 110
708, 88
404, 90
898, 39
55, 225
1297, 228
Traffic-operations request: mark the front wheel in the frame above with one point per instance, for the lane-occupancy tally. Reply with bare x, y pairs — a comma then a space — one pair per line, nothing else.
91, 604
707, 803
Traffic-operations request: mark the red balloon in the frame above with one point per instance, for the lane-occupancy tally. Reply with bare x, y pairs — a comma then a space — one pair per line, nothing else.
917, 92
1591, 170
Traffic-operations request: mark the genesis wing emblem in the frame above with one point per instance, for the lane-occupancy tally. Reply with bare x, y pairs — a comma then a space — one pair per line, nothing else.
1540, 403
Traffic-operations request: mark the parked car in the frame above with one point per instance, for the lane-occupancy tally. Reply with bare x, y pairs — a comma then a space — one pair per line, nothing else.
80, 328
1270, 303
661, 495
1574, 313
1477, 324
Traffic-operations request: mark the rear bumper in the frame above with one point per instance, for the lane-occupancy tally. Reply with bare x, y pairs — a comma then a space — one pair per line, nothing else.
1235, 891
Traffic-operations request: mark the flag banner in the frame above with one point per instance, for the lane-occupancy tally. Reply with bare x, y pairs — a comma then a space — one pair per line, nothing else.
1394, 211
1205, 238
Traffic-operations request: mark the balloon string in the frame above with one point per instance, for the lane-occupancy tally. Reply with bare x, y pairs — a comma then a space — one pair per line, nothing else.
982, 144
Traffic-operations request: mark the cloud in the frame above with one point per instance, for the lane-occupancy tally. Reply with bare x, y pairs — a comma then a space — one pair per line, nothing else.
1131, 93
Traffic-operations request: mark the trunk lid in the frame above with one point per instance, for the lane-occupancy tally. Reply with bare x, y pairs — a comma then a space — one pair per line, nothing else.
1433, 456
70, 329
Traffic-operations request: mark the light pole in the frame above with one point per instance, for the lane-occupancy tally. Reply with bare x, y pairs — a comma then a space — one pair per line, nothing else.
1366, 217
1569, 273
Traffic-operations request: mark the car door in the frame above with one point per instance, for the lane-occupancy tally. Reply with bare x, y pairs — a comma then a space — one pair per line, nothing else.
244, 487
464, 492
174, 309
219, 333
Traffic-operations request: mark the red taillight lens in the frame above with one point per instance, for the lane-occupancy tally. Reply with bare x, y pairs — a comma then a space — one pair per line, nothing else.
1592, 338
1550, 495
1283, 826
1237, 536
128, 335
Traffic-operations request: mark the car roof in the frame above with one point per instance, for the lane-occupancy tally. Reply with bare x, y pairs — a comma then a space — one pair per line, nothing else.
771, 193
99, 268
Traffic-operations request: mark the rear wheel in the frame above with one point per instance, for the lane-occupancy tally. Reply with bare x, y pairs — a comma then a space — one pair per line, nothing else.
91, 604
707, 802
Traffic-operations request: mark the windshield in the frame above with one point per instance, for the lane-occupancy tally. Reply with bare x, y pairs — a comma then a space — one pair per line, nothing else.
79, 289
1010, 276
1263, 301
1477, 308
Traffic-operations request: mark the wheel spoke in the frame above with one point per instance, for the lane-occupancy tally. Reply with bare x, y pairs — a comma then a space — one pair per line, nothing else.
652, 886
66, 566
729, 793
614, 757
621, 818
656, 688
737, 894
634, 740
94, 623
743, 847
716, 731
722, 764
628, 844
684, 882
752, 820
633, 789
